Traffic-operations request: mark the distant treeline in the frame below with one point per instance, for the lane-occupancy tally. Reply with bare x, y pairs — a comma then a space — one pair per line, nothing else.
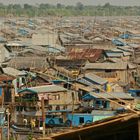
61, 10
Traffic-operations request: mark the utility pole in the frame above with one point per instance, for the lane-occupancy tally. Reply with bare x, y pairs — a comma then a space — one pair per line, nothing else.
8, 121
8, 126
43, 115
72, 107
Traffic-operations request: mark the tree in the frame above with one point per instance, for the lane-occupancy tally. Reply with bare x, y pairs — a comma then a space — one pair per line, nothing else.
79, 6
69, 7
47, 5
1, 5
27, 6
59, 5
16, 6
107, 4
44, 6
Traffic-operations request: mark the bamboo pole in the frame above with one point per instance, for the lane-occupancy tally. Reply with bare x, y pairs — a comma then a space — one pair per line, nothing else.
43, 115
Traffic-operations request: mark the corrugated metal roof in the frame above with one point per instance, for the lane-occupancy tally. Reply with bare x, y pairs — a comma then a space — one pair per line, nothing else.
39, 48
4, 77
70, 62
13, 72
44, 39
16, 43
106, 66
127, 53
31, 52
115, 60
48, 89
112, 95
103, 112
2, 39
132, 66
95, 78
114, 53
89, 54
137, 61
85, 82
65, 39
27, 62
4, 53
125, 48
53, 50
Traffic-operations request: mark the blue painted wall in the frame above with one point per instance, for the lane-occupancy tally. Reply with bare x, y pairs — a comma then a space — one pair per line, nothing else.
0, 91
79, 119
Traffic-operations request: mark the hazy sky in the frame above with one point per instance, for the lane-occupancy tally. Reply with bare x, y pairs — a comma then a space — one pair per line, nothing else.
72, 2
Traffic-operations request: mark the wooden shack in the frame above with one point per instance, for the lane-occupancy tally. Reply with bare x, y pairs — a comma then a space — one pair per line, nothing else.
122, 71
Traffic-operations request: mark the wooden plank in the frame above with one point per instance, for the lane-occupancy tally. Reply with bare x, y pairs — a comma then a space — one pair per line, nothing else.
0, 133
118, 119
138, 128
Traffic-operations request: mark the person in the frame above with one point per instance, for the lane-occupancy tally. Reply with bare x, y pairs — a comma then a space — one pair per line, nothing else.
25, 122
32, 123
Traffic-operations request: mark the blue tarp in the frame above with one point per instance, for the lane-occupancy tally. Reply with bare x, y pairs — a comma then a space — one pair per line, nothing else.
134, 92
117, 42
57, 81
55, 50
23, 31
30, 22
125, 36
2, 39
26, 89
87, 97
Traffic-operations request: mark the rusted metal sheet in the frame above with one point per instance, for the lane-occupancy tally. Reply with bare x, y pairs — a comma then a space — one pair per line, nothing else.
89, 54
70, 62
4, 77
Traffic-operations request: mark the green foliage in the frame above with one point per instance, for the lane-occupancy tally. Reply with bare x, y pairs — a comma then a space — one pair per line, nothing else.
59, 5
12, 138
107, 4
61, 10
79, 6
29, 137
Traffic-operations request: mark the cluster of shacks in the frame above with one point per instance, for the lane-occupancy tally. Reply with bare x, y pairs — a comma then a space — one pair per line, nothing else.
75, 64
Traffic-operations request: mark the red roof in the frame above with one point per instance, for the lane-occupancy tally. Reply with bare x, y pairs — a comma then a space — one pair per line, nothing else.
4, 77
